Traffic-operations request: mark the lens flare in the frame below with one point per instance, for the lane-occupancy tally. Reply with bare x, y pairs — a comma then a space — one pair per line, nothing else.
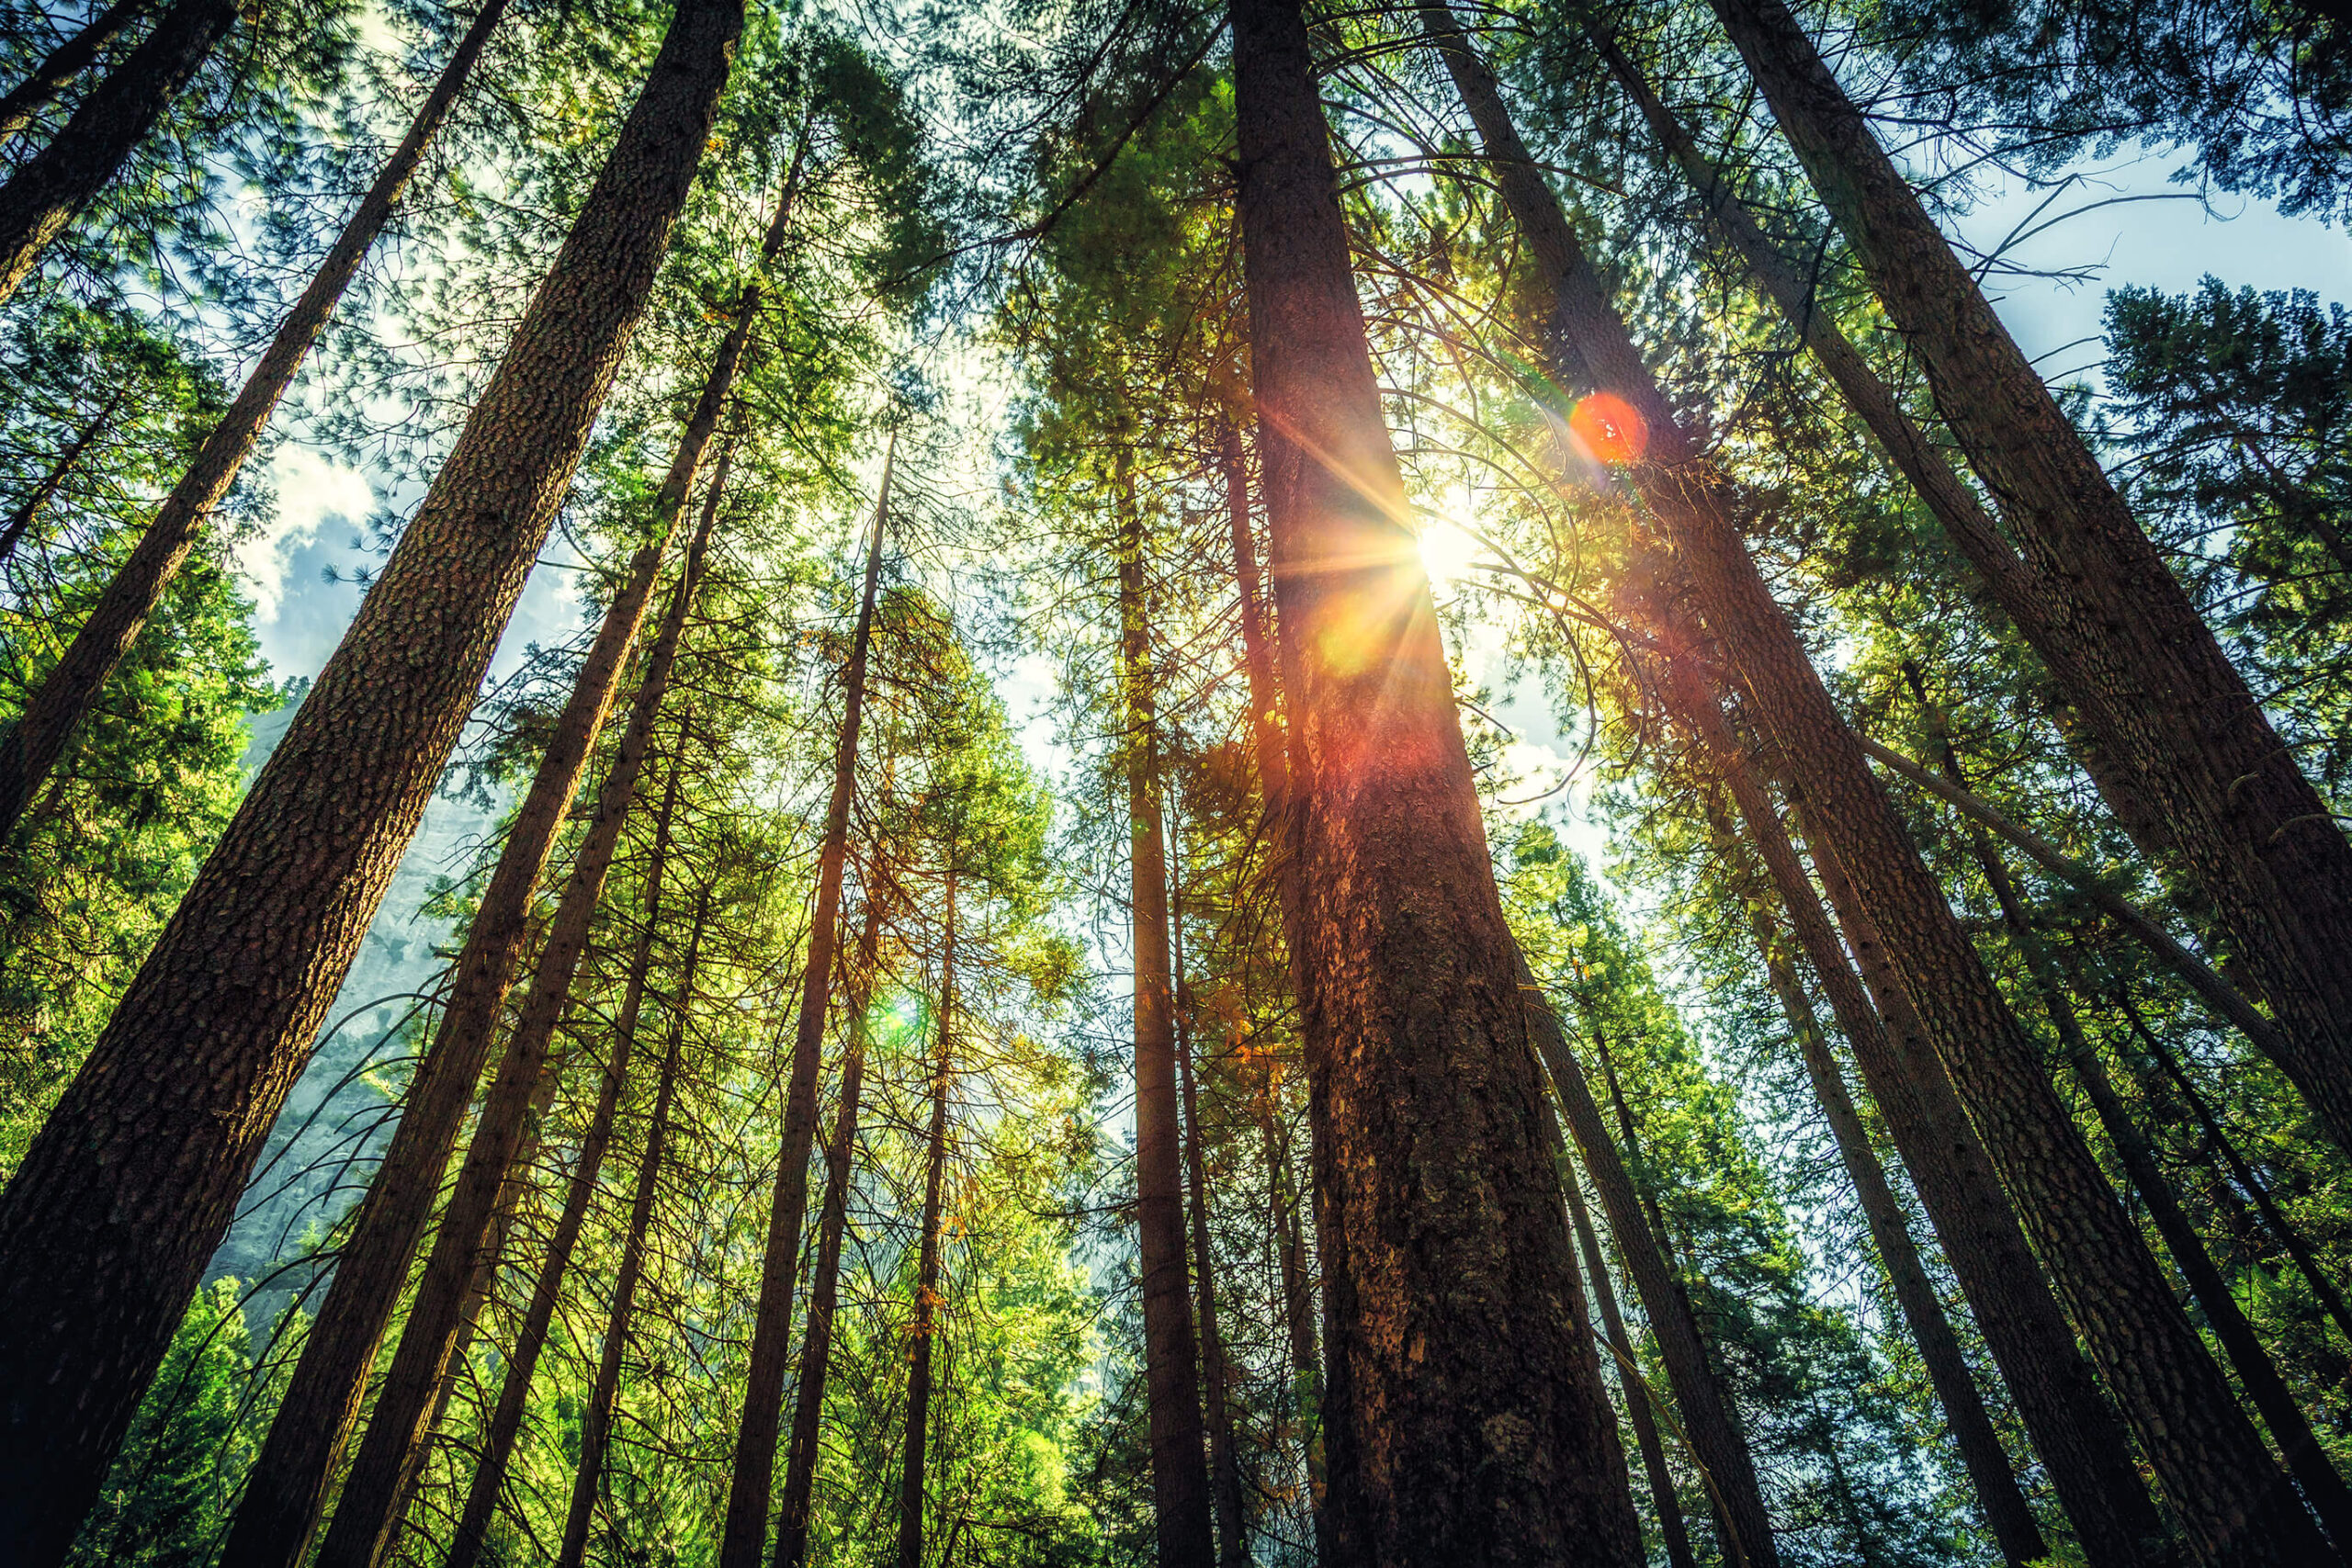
1609, 428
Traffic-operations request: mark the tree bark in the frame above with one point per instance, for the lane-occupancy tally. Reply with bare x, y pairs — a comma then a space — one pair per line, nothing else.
1305, 1402
67, 61
752, 1477
2007, 1513
1180, 1484
43, 196
926, 1325
106, 1228
832, 1222
2145, 673
26, 513
597, 1422
514, 1395
363, 1513
2082, 1441
1663, 1500
1464, 1421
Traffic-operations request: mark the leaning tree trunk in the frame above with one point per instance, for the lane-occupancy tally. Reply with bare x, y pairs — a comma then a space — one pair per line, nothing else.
2081, 1440
2007, 1513
514, 1395
2153, 687
42, 198
26, 513
365, 1513
54, 708
106, 1228
926, 1323
824, 1285
751, 1478
596, 1421
1464, 1418
67, 61
1179, 1483
1716, 1442
1668, 1506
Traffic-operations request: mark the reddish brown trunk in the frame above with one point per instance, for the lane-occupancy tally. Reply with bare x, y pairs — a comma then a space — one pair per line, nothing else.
43, 196
363, 1513
596, 1421
105, 1229
1464, 1420
832, 1219
1180, 1484
925, 1327
64, 62
531, 1337
2151, 685
752, 1477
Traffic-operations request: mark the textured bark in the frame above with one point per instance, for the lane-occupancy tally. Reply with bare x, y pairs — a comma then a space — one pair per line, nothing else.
752, 1477
26, 513
2149, 680
824, 1284
1463, 1419
925, 1327
1708, 1422
1179, 1483
364, 1515
1663, 1501
530, 1338
2081, 1440
596, 1421
2006, 1510
67, 61
1225, 1464
54, 709
105, 1229
43, 196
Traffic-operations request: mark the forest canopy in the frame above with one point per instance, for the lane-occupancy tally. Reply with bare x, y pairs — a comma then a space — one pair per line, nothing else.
1174, 783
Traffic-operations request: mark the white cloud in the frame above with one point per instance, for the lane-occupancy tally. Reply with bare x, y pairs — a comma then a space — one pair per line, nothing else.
311, 490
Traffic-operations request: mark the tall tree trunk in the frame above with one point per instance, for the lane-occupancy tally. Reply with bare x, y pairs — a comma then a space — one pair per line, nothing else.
1305, 1402
514, 1395
62, 64
26, 513
106, 1226
1180, 1484
1668, 1506
1707, 1419
832, 1221
2082, 1441
364, 1513
1464, 1418
1225, 1464
750, 1479
2150, 681
926, 1323
43, 196
596, 1421
2006, 1510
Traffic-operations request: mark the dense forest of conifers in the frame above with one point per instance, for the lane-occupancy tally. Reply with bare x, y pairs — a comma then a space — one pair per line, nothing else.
907, 927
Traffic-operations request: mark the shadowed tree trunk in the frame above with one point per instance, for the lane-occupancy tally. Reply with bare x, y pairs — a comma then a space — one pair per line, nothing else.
1305, 1402
54, 709
363, 1513
107, 1224
43, 196
1464, 1420
752, 1477
1179, 1483
596, 1421
926, 1323
514, 1395
67, 61
26, 513
1663, 1500
2154, 688
824, 1285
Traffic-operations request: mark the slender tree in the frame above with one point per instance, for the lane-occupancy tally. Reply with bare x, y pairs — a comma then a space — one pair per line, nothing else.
107, 1225
63, 64
923, 1332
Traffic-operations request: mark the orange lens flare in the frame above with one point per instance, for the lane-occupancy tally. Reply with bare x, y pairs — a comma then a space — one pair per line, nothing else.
1608, 429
